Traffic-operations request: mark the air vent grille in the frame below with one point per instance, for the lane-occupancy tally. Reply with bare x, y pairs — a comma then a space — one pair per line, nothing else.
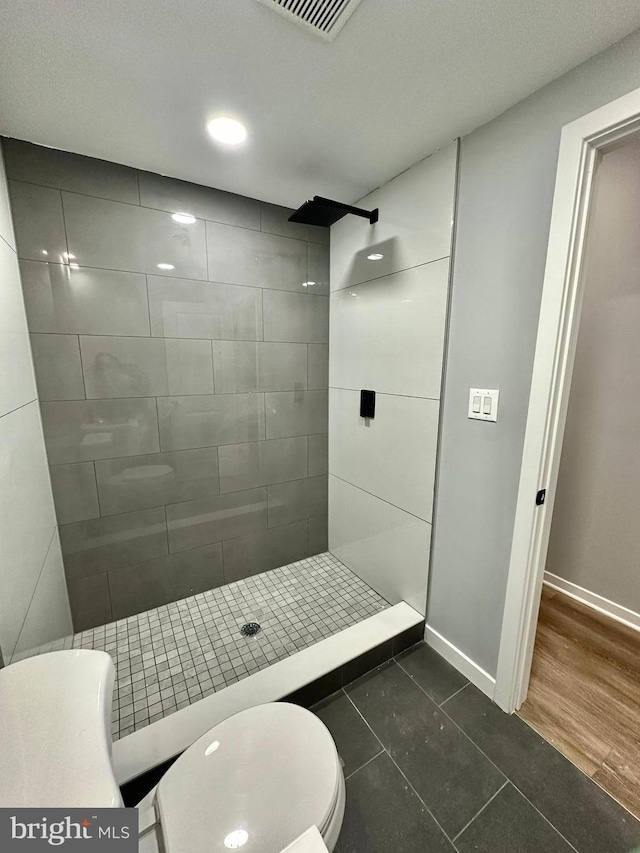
324, 17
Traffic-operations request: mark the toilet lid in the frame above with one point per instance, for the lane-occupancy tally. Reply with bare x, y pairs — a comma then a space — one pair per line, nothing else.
254, 782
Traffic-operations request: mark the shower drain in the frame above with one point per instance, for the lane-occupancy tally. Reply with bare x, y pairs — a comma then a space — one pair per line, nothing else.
250, 629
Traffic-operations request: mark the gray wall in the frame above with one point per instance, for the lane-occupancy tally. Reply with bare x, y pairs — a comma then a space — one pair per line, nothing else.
507, 174
594, 539
184, 409
34, 605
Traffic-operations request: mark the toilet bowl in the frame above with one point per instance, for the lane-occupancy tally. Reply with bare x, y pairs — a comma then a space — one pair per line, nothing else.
255, 781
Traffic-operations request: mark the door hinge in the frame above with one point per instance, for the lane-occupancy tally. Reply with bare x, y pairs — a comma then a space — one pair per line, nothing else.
540, 497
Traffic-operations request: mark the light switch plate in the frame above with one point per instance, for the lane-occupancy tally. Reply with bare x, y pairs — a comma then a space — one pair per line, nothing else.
483, 404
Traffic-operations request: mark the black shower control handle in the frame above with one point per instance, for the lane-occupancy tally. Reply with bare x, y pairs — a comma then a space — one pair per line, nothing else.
367, 404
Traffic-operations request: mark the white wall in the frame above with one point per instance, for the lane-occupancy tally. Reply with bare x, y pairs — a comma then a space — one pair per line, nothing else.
594, 539
387, 333
34, 605
507, 176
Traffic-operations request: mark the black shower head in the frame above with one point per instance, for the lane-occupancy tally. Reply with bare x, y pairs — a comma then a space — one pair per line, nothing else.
324, 212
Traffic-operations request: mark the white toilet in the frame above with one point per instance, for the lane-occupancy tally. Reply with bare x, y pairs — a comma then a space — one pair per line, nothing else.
256, 781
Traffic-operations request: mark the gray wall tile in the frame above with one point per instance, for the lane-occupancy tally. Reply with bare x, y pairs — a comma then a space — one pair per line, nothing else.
137, 482
296, 413
240, 256
64, 171
56, 360
182, 308
202, 202
145, 367
145, 345
38, 222
318, 535
318, 454
295, 317
268, 549
117, 236
165, 579
90, 601
318, 355
243, 466
74, 492
289, 502
99, 429
318, 269
201, 522
275, 220
84, 301
91, 547
205, 421
243, 366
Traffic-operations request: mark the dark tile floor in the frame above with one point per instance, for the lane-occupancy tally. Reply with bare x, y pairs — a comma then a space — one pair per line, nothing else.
432, 765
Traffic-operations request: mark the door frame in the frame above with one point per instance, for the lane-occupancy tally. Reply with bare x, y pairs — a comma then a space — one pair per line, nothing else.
560, 308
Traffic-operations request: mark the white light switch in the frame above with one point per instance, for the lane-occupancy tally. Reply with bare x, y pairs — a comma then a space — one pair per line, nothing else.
483, 404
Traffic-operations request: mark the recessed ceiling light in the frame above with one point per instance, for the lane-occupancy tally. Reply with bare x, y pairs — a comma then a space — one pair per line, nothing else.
44, 252
308, 283
227, 130
183, 218
165, 266
376, 256
236, 839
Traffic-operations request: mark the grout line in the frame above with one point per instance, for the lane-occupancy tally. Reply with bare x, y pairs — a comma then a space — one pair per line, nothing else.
453, 694
33, 593
502, 773
384, 500
13, 248
82, 371
259, 202
544, 817
362, 766
17, 408
467, 825
179, 450
146, 289
397, 767
174, 338
213, 370
95, 481
389, 274
387, 394
176, 278
64, 225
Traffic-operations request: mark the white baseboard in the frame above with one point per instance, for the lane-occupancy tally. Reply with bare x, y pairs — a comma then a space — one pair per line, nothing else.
596, 602
463, 663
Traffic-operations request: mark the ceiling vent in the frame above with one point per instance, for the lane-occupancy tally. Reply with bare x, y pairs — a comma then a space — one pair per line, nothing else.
323, 17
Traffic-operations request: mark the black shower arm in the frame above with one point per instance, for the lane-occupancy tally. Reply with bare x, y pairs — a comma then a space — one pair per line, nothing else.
371, 215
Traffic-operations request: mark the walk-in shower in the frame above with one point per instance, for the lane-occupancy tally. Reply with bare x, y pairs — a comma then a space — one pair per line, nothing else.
180, 339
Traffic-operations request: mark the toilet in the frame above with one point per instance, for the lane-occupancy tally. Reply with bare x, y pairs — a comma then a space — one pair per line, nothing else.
256, 781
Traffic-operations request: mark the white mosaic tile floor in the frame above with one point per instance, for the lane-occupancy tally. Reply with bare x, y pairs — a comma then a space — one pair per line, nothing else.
174, 655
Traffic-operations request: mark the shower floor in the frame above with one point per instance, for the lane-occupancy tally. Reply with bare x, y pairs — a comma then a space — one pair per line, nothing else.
174, 655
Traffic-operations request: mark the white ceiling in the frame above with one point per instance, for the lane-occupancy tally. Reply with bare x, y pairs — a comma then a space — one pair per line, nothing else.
134, 81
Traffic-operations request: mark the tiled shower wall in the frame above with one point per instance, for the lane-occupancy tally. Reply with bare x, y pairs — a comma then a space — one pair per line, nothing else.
34, 605
388, 319
182, 373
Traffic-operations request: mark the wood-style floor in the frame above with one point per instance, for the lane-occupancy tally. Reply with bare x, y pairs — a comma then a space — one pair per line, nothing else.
584, 694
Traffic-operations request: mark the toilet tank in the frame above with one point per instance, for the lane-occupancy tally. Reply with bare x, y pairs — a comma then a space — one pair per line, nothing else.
55, 731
